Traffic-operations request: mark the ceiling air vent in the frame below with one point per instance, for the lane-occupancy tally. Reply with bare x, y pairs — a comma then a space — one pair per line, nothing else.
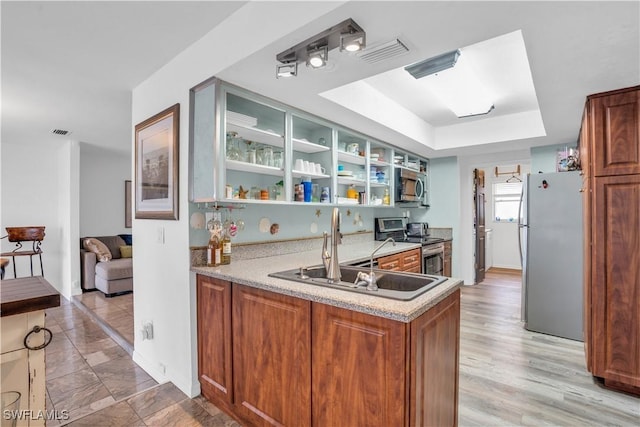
383, 51
60, 132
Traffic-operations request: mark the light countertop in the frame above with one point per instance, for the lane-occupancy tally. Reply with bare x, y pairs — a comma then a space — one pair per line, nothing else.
254, 273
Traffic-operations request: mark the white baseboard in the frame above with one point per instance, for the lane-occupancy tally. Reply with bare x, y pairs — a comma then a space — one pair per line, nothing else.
189, 386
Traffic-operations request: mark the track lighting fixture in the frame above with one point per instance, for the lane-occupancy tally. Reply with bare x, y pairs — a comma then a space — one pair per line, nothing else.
352, 42
288, 69
314, 51
317, 57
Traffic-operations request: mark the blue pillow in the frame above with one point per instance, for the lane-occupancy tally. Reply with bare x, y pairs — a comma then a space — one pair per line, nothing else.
127, 238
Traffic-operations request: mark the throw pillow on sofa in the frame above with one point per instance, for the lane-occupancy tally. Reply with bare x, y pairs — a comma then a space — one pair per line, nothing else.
126, 251
97, 247
113, 243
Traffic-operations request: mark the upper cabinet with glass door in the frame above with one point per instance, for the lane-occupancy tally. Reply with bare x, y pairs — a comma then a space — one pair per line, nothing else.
254, 149
352, 175
311, 148
380, 174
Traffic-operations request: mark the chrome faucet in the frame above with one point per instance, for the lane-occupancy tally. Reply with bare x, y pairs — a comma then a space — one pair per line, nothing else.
330, 260
370, 279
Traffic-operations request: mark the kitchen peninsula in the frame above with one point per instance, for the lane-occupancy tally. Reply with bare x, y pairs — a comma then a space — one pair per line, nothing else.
278, 352
23, 302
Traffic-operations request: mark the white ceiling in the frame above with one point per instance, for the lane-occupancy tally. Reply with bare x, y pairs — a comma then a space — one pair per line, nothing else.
72, 65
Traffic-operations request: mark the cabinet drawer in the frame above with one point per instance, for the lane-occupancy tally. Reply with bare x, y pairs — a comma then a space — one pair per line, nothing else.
391, 262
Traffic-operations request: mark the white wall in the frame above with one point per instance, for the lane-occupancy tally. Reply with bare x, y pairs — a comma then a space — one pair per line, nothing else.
37, 190
444, 211
102, 176
164, 290
466, 166
504, 239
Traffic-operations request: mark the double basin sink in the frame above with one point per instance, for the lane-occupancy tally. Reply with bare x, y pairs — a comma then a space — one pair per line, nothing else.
391, 284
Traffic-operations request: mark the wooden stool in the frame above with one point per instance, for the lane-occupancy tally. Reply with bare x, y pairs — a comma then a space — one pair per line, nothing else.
35, 235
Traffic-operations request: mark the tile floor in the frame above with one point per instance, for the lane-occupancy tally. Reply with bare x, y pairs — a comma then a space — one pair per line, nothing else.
93, 378
115, 315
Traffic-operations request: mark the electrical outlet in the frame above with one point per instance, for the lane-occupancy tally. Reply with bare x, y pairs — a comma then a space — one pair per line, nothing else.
147, 331
208, 216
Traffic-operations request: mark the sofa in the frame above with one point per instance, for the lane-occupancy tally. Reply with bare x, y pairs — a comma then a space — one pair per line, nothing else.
106, 264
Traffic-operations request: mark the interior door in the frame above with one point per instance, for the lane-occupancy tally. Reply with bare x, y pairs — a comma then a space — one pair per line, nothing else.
479, 202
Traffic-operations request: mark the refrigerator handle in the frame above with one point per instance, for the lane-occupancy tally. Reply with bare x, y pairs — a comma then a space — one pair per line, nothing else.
522, 228
520, 225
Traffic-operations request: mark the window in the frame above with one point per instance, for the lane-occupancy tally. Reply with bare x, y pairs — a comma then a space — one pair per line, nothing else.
506, 201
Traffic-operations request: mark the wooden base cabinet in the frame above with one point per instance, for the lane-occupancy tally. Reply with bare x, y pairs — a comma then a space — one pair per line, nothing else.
446, 262
409, 261
270, 359
214, 338
370, 371
615, 292
610, 161
359, 376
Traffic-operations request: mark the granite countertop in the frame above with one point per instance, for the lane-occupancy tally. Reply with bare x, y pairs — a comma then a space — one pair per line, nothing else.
254, 273
26, 294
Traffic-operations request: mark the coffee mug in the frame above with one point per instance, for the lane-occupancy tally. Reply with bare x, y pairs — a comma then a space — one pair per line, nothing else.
353, 148
299, 165
319, 169
308, 167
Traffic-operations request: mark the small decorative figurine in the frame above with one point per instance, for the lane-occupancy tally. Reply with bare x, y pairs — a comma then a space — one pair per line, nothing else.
243, 193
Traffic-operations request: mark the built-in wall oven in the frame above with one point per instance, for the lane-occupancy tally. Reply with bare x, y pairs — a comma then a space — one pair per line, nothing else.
433, 258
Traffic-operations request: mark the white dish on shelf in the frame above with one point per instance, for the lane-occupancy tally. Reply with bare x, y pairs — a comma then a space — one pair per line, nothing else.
345, 173
347, 201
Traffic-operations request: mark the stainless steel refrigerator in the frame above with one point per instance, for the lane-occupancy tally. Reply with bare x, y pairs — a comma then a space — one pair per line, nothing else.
550, 237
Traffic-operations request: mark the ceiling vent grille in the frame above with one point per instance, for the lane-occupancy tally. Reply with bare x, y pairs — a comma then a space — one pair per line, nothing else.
60, 132
383, 51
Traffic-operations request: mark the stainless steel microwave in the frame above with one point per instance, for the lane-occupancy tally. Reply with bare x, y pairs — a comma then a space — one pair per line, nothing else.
410, 187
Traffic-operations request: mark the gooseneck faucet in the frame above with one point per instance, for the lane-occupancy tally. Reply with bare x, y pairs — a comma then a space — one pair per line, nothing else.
370, 279
330, 260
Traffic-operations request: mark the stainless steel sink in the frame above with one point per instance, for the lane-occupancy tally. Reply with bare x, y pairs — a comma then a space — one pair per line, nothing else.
391, 284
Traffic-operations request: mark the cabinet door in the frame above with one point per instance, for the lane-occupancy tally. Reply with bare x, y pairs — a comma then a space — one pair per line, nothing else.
435, 344
358, 369
616, 133
446, 267
311, 142
214, 338
391, 262
411, 261
352, 162
253, 148
616, 282
271, 357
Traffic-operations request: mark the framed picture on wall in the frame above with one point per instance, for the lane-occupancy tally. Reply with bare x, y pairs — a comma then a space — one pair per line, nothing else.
127, 204
156, 159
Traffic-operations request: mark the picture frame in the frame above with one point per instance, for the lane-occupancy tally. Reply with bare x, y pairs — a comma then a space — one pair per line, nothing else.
156, 165
127, 204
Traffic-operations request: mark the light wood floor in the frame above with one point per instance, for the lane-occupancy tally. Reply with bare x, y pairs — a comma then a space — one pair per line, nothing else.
508, 376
